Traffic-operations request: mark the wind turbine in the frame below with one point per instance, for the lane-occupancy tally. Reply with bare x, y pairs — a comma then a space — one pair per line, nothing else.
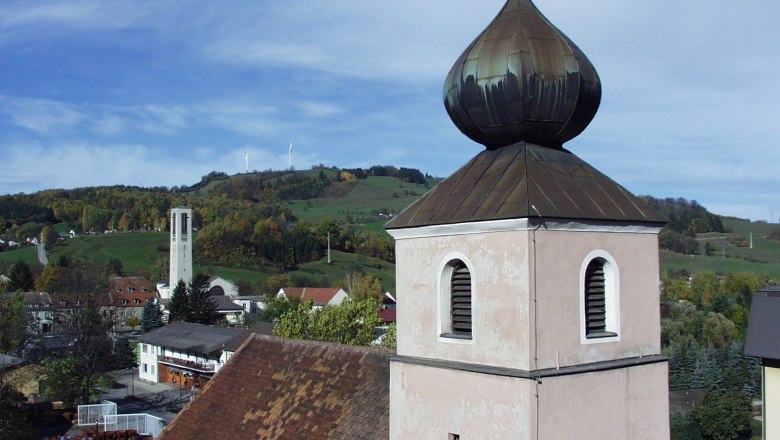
246, 159
289, 157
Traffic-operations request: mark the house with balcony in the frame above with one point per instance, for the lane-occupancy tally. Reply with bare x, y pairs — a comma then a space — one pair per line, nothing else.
184, 353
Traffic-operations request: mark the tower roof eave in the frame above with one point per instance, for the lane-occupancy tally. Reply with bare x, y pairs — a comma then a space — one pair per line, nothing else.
521, 181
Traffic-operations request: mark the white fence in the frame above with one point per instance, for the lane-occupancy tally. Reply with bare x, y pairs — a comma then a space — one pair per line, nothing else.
91, 414
143, 423
105, 415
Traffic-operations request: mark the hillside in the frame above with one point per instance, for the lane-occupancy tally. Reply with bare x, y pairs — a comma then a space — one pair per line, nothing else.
255, 225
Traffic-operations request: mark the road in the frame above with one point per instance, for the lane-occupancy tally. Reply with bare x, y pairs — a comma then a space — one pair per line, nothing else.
42, 258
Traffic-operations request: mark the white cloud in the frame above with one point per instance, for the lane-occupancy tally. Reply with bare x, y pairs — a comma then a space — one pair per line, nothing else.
40, 115
319, 109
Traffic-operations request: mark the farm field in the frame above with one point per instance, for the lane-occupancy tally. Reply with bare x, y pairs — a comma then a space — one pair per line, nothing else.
764, 257
360, 205
28, 254
136, 250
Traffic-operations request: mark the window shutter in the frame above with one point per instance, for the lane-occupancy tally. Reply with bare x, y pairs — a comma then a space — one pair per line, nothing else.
461, 299
595, 296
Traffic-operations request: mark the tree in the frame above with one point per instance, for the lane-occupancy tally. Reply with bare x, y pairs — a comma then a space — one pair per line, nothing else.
124, 222
14, 322
74, 378
151, 317
367, 287
124, 356
133, 322
114, 267
49, 238
203, 307
351, 322
276, 306
179, 305
723, 416
160, 270
390, 338
21, 277
13, 422
276, 282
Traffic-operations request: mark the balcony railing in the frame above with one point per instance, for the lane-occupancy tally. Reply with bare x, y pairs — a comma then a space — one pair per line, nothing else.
192, 365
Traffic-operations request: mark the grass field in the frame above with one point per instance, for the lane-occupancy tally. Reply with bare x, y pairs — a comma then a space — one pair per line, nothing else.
765, 253
27, 254
342, 262
136, 250
139, 251
371, 194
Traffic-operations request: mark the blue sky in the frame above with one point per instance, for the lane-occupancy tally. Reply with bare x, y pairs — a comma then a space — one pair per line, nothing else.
160, 93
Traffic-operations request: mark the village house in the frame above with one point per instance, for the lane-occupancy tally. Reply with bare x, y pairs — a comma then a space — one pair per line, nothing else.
229, 311
320, 296
39, 304
218, 286
128, 296
253, 305
762, 342
184, 353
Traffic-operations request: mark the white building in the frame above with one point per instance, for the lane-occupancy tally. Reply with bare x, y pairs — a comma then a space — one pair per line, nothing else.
181, 243
185, 353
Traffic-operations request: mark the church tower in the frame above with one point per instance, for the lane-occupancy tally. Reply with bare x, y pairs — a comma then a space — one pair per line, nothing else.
528, 280
181, 246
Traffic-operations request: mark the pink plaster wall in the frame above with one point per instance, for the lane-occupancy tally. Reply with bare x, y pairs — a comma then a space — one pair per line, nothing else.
559, 257
620, 404
499, 272
429, 403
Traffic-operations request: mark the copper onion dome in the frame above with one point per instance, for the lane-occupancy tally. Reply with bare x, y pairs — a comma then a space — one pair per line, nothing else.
522, 80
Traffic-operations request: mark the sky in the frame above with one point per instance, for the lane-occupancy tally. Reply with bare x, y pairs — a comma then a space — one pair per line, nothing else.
152, 93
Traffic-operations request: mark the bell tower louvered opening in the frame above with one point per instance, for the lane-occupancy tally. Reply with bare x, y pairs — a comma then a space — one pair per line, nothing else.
460, 300
596, 300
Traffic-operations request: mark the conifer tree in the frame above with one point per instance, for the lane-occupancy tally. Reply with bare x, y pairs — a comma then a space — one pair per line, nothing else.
124, 357
180, 303
151, 317
21, 277
203, 307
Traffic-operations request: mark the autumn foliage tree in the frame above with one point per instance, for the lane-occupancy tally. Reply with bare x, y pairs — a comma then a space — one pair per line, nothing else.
351, 322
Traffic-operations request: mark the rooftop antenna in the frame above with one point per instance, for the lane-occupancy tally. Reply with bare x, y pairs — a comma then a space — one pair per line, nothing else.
246, 159
289, 157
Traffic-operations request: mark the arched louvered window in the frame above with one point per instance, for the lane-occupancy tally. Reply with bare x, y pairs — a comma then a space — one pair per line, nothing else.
597, 303
460, 299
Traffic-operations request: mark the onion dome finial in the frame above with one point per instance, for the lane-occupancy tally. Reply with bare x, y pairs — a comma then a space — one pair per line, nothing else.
522, 80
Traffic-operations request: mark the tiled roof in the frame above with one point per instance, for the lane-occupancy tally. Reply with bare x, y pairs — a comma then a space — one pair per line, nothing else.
37, 300
318, 295
124, 291
764, 325
68, 301
191, 338
276, 388
521, 181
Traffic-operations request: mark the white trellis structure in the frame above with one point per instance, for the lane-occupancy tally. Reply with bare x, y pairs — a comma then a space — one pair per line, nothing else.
105, 415
143, 423
91, 414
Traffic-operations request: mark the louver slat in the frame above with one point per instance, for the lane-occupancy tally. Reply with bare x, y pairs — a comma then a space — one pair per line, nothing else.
460, 300
595, 299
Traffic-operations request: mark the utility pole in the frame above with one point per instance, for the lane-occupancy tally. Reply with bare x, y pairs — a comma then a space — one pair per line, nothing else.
328, 247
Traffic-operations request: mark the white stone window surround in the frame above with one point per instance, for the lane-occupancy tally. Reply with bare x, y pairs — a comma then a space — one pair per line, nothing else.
612, 297
443, 318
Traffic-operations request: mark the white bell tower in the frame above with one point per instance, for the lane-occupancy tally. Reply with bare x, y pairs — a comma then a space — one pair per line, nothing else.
181, 246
